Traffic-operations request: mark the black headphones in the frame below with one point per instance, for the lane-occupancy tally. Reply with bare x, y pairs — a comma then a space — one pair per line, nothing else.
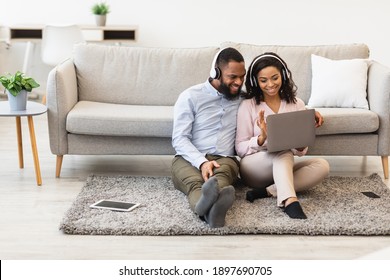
253, 79
215, 72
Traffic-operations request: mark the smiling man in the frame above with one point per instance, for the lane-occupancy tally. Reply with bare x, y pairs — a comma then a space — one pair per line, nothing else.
204, 130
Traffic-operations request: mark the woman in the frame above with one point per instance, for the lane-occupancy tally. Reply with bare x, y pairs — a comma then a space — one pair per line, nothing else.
271, 90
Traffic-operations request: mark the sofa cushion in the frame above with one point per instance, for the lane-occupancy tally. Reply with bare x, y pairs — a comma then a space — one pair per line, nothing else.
338, 83
95, 118
347, 120
298, 58
139, 76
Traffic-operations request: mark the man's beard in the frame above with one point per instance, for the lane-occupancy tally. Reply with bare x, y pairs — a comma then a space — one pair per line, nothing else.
225, 90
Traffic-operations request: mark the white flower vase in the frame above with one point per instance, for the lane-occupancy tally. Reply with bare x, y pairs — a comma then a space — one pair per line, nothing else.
100, 20
19, 102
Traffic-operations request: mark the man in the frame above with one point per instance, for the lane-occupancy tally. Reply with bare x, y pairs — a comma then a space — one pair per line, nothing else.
204, 129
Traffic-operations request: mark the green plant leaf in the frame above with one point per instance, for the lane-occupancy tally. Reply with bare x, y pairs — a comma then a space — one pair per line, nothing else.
100, 9
17, 82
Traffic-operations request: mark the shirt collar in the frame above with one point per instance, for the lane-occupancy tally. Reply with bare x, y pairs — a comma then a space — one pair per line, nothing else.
212, 90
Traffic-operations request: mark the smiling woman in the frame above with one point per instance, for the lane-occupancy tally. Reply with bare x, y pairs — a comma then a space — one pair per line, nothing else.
271, 91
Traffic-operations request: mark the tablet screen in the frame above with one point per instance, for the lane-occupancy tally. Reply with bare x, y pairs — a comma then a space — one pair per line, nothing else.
115, 205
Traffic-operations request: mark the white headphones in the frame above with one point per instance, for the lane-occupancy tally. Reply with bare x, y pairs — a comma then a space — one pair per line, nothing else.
253, 79
215, 72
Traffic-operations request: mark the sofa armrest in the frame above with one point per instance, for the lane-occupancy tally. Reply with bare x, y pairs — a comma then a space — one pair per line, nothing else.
378, 91
62, 95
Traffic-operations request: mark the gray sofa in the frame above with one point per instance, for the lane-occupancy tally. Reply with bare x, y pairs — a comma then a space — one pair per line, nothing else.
117, 100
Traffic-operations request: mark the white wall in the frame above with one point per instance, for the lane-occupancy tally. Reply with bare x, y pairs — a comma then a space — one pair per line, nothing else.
193, 23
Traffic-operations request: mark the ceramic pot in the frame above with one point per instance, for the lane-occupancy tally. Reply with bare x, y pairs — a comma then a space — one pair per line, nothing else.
19, 102
100, 20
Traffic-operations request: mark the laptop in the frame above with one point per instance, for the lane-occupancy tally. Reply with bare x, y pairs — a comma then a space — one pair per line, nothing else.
290, 130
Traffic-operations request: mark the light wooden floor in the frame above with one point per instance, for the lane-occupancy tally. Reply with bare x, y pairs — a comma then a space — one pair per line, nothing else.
30, 215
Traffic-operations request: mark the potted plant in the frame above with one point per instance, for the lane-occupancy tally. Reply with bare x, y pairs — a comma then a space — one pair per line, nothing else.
100, 10
16, 86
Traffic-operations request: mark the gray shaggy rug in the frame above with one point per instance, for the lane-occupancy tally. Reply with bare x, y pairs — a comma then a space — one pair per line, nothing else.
334, 207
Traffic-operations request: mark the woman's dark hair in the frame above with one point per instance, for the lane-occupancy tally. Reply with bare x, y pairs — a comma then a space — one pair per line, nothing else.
287, 90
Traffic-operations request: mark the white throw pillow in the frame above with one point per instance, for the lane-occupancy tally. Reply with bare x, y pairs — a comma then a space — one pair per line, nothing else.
338, 83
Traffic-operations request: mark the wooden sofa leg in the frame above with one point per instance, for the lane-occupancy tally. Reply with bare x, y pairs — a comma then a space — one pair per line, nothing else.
44, 99
385, 166
58, 165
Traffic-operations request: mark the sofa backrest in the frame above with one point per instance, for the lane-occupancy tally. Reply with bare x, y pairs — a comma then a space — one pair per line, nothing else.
298, 58
156, 76
138, 75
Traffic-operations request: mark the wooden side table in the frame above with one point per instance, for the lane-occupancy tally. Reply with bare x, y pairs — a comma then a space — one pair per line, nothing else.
32, 109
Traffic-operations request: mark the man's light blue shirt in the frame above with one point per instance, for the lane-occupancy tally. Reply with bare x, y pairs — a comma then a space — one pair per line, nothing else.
204, 123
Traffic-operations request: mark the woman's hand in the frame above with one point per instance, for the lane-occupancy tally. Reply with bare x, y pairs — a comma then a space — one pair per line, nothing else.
263, 128
319, 119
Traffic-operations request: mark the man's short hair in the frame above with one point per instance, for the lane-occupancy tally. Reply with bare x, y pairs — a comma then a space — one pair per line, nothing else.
227, 55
